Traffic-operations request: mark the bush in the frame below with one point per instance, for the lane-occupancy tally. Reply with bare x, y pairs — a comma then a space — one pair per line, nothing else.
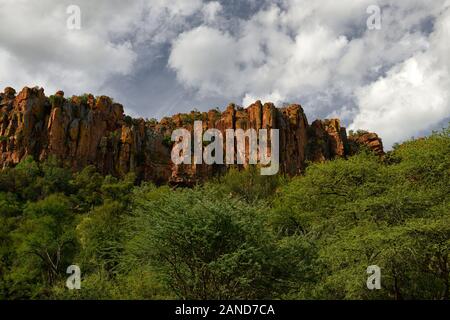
56, 101
167, 141
128, 120
249, 184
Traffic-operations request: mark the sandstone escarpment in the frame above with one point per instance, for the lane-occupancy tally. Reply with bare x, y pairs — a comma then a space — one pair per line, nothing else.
87, 130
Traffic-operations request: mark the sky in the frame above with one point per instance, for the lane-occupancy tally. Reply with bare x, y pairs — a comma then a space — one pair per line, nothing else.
160, 57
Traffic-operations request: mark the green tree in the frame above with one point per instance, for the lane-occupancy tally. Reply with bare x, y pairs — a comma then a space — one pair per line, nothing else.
249, 184
54, 178
364, 211
87, 184
100, 234
45, 243
206, 246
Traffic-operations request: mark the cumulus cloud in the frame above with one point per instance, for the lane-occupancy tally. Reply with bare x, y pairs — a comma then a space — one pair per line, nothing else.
261, 60
37, 48
205, 56
185, 53
211, 10
414, 95
322, 54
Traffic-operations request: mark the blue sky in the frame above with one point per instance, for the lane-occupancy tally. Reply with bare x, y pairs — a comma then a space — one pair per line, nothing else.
160, 57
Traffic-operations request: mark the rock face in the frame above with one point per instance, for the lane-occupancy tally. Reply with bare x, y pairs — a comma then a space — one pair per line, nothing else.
368, 139
86, 130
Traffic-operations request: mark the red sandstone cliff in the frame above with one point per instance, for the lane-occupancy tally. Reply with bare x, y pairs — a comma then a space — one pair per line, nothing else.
87, 130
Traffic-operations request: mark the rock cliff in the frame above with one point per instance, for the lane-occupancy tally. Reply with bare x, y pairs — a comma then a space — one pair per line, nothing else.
94, 130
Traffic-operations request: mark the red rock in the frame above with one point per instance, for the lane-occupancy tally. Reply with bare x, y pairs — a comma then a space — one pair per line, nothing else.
368, 139
82, 131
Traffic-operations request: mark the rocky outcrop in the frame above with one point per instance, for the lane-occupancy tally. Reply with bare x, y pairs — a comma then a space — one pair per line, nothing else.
327, 140
94, 130
369, 140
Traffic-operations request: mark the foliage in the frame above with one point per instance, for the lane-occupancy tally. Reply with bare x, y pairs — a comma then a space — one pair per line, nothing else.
167, 141
362, 212
128, 120
239, 236
209, 247
358, 133
249, 184
56, 100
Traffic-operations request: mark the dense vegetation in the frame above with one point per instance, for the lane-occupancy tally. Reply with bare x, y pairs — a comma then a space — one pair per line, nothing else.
242, 236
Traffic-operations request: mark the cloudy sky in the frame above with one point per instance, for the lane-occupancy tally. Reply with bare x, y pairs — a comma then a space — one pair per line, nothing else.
159, 57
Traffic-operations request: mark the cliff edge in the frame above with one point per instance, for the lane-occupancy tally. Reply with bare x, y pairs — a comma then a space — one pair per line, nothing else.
90, 130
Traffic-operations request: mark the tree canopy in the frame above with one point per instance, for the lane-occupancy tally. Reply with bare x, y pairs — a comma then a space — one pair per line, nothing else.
240, 236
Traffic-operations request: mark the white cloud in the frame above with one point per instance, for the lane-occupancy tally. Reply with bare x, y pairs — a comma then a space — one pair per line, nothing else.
274, 97
321, 53
211, 10
207, 56
262, 60
414, 95
318, 53
177, 7
305, 48
38, 49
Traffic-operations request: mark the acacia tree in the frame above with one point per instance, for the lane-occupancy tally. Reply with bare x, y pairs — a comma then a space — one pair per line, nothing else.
45, 241
207, 246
